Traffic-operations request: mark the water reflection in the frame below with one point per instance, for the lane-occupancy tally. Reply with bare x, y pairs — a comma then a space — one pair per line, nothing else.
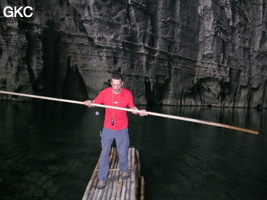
48, 151
183, 160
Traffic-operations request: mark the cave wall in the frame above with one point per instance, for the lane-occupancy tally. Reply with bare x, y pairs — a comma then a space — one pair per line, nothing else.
172, 52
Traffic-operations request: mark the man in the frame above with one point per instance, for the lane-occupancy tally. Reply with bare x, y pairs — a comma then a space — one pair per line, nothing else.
115, 126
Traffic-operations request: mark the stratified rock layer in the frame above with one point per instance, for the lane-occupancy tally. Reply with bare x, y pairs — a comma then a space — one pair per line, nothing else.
176, 52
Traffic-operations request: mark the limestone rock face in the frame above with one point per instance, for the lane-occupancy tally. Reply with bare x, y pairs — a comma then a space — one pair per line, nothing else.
175, 52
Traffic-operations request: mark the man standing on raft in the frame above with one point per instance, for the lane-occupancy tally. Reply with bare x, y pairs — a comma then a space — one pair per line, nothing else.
115, 126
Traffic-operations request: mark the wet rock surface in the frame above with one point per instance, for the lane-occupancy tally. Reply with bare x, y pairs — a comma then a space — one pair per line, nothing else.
198, 52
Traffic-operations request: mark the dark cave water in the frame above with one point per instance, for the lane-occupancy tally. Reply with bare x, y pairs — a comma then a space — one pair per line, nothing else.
49, 150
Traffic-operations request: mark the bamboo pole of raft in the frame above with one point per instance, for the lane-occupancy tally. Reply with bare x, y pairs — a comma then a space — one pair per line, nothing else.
86, 193
138, 164
128, 181
112, 176
123, 189
93, 188
112, 173
119, 188
112, 166
142, 188
114, 180
137, 172
132, 174
136, 111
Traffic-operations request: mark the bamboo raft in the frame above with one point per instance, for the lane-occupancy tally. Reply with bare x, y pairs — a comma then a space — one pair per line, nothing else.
117, 188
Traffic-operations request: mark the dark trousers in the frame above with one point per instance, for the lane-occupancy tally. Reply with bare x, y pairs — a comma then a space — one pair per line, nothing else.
122, 143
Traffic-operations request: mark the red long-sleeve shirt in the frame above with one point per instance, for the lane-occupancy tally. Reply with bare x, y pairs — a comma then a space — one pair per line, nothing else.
124, 99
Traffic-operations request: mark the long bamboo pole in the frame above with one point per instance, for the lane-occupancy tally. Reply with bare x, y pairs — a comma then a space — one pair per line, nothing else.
136, 111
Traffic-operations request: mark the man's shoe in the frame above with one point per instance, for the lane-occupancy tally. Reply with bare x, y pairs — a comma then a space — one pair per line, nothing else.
101, 185
125, 175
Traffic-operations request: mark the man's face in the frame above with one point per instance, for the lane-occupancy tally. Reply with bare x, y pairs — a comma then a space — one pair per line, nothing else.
116, 85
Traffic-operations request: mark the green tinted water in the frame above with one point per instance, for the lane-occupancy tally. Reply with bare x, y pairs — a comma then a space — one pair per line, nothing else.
48, 151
